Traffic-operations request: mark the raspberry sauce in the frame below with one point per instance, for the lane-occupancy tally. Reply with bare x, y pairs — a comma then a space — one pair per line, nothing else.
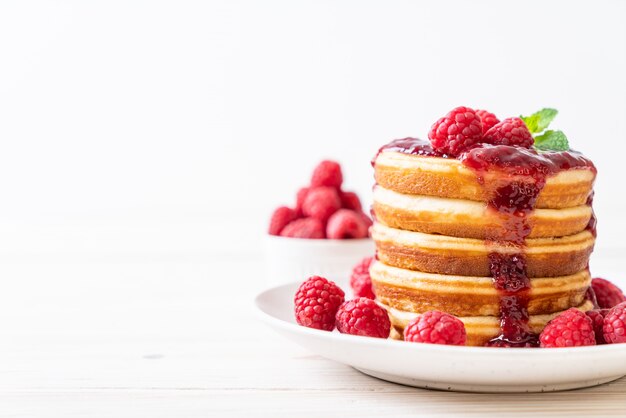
413, 146
514, 202
591, 226
513, 160
525, 172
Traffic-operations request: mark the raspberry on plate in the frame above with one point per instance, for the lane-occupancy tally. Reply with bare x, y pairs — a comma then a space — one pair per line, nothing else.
321, 202
350, 200
346, 224
458, 130
487, 118
362, 316
597, 317
436, 327
360, 280
615, 324
607, 294
366, 219
511, 131
304, 228
571, 328
316, 303
280, 218
328, 174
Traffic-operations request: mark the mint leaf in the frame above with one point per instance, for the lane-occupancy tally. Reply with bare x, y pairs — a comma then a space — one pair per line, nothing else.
552, 141
539, 121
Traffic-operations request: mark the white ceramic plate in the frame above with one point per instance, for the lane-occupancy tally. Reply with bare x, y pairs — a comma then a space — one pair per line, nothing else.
471, 369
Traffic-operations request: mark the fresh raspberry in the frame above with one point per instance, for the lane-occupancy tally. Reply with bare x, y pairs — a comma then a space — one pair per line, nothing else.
316, 303
304, 228
366, 219
345, 224
360, 280
487, 118
350, 200
436, 327
458, 130
280, 218
597, 317
321, 202
362, 316
607, 294
571, 328
300, 196
511, 131
327, 174
614, 327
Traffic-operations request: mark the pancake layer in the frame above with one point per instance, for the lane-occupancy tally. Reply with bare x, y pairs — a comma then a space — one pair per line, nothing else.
479, 329
430, 253
449, 178
470, 219
416, 291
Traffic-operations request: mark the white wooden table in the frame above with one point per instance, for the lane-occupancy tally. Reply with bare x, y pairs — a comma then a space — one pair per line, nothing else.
173, 335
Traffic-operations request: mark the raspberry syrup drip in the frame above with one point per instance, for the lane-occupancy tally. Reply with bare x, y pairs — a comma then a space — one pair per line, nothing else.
413, 146
514, 160
590, 295
591, 226
513, 201
513, 204
525, 171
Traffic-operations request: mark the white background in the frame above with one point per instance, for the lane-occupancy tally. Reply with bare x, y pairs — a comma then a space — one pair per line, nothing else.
178, 126
145, 143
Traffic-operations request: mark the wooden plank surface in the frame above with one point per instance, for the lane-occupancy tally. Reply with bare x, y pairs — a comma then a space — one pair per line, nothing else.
161, 337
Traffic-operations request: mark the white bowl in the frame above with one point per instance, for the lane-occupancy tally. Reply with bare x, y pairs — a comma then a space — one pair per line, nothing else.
470, 369
295, 259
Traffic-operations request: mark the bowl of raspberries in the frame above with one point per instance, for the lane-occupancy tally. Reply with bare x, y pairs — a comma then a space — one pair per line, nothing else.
325, 232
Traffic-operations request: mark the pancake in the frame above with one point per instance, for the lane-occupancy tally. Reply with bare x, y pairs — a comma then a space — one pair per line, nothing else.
449, 178
430, 253
470, 219
479, 329
498, 236
415, 291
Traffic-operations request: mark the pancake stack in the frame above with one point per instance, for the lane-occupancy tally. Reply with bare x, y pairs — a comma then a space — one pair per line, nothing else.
500, 237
